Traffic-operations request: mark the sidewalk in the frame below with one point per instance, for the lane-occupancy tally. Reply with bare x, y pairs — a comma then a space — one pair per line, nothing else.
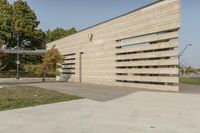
140, 112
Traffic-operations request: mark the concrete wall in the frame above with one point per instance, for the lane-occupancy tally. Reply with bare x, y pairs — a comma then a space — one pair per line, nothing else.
138, 49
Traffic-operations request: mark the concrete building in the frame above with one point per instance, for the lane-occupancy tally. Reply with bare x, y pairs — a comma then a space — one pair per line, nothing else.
137, 49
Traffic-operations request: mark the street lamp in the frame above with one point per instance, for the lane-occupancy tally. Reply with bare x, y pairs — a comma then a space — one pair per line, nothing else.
180, 54
17, 62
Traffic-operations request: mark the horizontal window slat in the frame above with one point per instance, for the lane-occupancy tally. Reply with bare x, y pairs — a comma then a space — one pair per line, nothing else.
163, 45
168, 53
149, 63
149, 71
148, 78
165, 36
150, 86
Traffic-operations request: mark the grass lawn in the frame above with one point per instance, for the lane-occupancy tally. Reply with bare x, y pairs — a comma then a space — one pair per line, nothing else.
193, 81
26, 96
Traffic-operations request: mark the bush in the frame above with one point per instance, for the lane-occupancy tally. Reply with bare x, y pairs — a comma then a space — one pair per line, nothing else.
34, 69
49, 66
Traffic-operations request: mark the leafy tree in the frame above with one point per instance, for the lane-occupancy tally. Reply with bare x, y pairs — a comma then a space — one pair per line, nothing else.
190, 69
52, 59
38, 39
49, 66
1, 43
24, 24
59, 33
5, 20
19, 23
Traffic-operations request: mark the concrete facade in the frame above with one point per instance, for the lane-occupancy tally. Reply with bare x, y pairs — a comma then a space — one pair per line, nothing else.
138, 49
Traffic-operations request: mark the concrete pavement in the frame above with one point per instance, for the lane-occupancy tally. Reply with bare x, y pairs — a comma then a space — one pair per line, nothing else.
110, 109
90, 91
189, 89
104, 93
140, 112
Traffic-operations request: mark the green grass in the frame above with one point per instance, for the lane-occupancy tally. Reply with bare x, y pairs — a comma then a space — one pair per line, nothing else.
26, 96
192, 81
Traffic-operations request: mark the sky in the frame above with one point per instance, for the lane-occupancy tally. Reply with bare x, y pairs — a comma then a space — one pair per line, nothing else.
84, 13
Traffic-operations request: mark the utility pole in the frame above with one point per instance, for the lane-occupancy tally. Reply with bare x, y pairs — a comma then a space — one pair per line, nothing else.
179, 57
18, 62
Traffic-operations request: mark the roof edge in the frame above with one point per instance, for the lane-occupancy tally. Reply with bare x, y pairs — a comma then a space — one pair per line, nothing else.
140, 8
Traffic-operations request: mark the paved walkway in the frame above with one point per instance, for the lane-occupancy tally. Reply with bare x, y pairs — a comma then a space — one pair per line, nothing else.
103, 93
107, 110
189, 89
140, 112
91, 91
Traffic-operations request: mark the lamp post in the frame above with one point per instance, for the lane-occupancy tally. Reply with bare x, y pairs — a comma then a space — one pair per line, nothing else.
17, 62
179, 57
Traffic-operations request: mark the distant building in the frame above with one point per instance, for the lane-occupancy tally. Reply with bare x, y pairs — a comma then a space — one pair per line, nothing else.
138, 49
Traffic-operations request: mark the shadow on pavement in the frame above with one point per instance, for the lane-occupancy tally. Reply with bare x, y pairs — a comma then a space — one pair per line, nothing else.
92, 91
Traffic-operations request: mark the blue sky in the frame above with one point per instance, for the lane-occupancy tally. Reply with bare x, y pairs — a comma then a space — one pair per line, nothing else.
84, 13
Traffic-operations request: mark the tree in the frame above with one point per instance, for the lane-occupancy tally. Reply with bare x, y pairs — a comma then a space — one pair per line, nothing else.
24, 24
49, 66
1, 43
38, 39
6, 12
52, 59
190, 70
19, 23
59, 33
5, 21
